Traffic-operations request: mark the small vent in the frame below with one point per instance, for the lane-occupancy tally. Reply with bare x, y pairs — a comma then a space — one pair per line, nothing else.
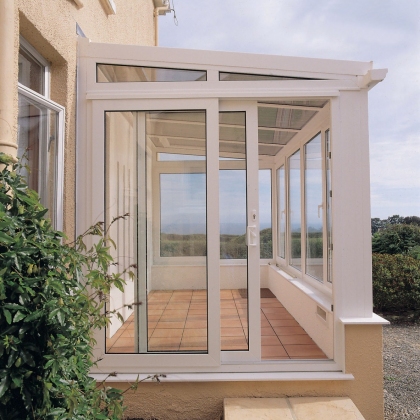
320, 312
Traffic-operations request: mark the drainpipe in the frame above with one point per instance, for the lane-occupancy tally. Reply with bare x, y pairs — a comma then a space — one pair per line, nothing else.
159, 10
8, 86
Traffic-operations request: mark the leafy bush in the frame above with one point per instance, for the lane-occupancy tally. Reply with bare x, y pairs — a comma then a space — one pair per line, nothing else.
396, 283
51, 295
396, 239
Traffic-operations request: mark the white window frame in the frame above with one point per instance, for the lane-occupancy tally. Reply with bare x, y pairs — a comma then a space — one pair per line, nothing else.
43, 100
342, 83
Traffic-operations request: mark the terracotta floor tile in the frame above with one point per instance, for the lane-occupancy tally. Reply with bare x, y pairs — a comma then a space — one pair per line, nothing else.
197, 312
270, 340
229, 311
175, 312
232, 323
234, 343
170, 324
198, 306
194, 341
274, 309
267, 331
197, 317
152, 324
157, 342
283, 323
125, 341
280, 315
270, 351
178, 306
152, 318
127, 334
194, 332
196, 324
155, 311
280, 331
304, 350
296, 339
232, 332
166, 332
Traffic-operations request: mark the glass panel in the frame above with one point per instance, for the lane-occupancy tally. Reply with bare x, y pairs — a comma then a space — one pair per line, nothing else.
172, 157
266, 234
314, 208
183, 215
244, 77
176, 230
168, 209
37, 138
295, 210
281, 212
31, 72
112, 73
329, 203
233, 224
120, 199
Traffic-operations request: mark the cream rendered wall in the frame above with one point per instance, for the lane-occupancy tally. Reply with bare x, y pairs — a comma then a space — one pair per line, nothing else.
50, 26
204, 400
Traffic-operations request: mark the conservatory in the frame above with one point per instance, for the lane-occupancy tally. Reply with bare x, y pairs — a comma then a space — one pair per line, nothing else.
245, 184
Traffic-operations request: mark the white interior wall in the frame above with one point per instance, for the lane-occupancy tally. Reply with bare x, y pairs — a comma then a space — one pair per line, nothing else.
121, 198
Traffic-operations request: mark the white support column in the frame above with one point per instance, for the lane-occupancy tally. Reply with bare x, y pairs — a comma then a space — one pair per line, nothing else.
352, 268
8, 86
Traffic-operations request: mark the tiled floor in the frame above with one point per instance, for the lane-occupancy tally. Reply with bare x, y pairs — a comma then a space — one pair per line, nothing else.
177, 321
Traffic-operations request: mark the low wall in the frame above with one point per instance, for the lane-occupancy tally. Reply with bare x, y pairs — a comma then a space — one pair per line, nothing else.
307, 311
204, 400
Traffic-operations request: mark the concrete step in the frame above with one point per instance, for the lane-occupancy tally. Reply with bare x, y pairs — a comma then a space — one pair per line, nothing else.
299, 408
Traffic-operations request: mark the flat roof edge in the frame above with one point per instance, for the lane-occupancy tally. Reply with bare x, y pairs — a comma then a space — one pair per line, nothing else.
239, 61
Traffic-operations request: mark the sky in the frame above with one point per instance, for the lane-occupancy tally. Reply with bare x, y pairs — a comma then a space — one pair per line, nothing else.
386, 32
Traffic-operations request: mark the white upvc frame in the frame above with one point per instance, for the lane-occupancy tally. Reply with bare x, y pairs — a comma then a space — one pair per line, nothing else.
253, 224
344, 85
97, 212
29, 49
59, 157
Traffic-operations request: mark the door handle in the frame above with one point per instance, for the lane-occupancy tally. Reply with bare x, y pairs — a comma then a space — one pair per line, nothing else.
251, 236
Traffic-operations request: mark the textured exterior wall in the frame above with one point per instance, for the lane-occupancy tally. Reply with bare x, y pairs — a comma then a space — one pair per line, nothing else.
204, 401
50, 26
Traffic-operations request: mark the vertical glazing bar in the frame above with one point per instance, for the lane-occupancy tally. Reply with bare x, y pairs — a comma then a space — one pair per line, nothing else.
141, 292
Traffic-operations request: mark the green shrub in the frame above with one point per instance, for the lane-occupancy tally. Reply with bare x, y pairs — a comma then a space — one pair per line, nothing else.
47, 313
396, 283
396, 239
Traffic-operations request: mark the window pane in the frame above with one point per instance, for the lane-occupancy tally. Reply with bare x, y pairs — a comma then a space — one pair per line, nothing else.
233, 224
37, 138
266, 240
182, 215
31, 72
314, 208
329, 203
244, 77
281, 213
295, 210
112, 73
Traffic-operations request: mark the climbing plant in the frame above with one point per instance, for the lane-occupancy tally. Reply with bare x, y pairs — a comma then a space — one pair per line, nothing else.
52, 296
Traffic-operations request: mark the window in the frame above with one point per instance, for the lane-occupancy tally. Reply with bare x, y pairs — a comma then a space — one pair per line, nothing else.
314, 217
295, 219
40, 132
281, 212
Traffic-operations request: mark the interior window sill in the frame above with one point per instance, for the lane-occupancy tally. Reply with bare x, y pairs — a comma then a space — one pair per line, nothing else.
322, 299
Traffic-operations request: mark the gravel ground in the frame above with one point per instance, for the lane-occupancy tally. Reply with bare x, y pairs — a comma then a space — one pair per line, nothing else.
402, 371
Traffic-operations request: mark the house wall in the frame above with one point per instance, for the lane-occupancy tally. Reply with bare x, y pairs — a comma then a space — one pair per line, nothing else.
204, 400
50, 27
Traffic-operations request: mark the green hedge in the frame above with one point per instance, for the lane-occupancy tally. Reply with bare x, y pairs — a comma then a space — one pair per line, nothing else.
396, 283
